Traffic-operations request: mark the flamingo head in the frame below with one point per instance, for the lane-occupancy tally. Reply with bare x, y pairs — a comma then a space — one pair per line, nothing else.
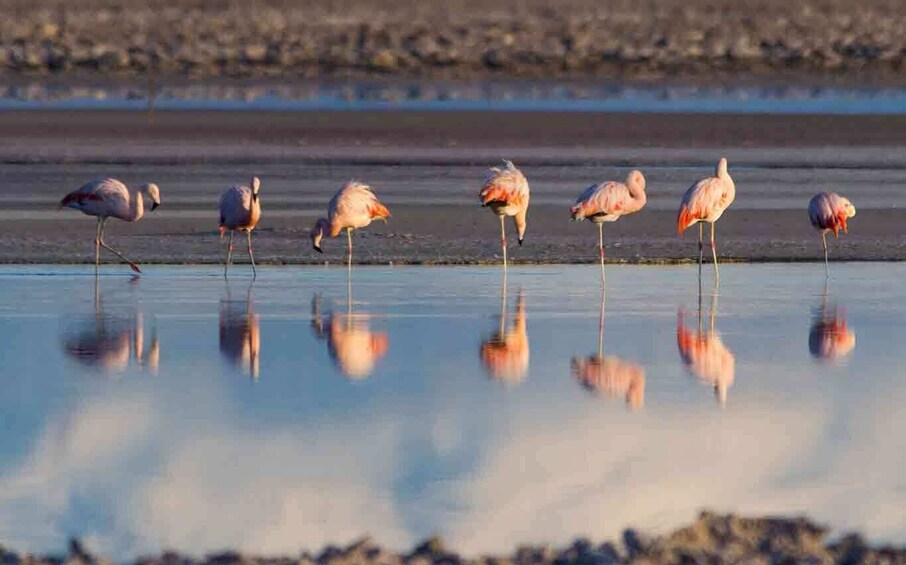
847, 207
153, 192
317, 233
635, 179
256, 186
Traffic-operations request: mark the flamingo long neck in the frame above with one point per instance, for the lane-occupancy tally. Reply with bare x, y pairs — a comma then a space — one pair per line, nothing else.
136, 207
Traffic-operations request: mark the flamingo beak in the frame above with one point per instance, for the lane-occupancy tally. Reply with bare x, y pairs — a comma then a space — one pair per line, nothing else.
520, 241
154, 206
318, 248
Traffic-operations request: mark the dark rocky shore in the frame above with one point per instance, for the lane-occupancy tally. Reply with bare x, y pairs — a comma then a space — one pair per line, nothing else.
455, 38
712, 539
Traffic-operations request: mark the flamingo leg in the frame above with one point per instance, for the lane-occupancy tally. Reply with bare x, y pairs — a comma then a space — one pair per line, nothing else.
251, 255
601, 249
114, 251
714, 254
97, 246
229, 256
503, 240
824, 242
700, 249
349, 248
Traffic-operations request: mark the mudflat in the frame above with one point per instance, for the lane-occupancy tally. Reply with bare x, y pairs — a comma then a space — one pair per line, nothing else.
428, 166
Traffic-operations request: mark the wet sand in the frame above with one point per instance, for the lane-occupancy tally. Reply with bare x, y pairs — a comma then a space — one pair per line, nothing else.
428, 167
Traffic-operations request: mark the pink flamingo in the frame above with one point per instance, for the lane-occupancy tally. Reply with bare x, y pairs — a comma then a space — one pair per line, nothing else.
109, 198
505, 354
704, 354
240, 210
609, 375
828, 211
607, 202
506, 193
705, 201
355, 206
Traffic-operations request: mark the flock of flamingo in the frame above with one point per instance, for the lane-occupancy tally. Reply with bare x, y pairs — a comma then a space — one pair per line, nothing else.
505, 191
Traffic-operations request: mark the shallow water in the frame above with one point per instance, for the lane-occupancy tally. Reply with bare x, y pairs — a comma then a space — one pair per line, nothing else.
489, 95
177, 411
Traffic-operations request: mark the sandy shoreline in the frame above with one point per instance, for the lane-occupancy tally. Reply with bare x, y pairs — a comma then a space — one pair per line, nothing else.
428, 166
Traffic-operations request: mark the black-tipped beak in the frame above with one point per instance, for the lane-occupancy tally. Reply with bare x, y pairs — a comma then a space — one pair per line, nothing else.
520, 242
318, 249
154, 206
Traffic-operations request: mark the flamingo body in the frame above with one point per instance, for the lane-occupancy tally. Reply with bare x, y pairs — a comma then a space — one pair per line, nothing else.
611, 376
505, 354
240, 207
609, 201
828, 212
353, 207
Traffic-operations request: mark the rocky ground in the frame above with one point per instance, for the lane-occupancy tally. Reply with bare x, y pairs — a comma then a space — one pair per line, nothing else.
712, 539
455, 38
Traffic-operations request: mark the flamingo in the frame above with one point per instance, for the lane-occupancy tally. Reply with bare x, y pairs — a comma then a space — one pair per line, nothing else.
109, 198
240, 210
830, 339
506, 193
105, 341
354, 206
828, 211
240, 333
609, 374
704, 353
506, 353
352, 346
607, 202
705, 201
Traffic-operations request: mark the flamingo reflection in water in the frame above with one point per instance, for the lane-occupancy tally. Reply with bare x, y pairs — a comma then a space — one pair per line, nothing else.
353, 347
240, 333
107, 340
703, 351
609, 375
830, 339
505, 355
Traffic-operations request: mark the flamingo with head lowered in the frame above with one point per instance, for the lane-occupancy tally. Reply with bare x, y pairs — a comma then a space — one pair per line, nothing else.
705, 201
828, 212
607, 202
109, 198
506, 193
240, 210
354, 206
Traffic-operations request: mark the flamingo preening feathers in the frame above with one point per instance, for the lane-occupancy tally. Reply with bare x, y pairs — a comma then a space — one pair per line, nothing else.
109, 198
828, 212
506, 193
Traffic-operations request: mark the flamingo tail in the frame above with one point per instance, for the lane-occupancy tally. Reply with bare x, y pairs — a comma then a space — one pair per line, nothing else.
684, 219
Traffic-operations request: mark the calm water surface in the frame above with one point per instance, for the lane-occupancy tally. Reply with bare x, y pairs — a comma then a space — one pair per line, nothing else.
179, 411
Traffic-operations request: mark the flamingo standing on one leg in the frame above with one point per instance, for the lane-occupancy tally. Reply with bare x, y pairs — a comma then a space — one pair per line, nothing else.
354, 206
109, 198
705, 201
240, 210
828, 211
506, 193
607, 201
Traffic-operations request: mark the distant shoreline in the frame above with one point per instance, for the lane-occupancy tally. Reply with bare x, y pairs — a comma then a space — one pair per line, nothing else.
712, 538
461, 39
